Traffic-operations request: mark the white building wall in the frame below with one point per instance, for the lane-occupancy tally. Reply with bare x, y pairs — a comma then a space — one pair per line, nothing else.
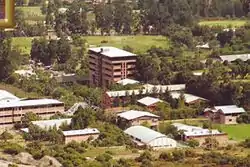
163, 142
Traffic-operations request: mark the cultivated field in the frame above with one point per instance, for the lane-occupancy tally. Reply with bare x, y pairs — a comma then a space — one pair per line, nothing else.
224, 23
140, 43
236, 132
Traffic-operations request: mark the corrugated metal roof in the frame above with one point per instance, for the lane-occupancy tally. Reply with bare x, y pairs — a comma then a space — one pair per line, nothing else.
86, 131
51, 123
147, 101
25, 103
147, 89
133, 114
112, 51
7, 96
194, 130
142, 133
188, 97
127, 81
227, 109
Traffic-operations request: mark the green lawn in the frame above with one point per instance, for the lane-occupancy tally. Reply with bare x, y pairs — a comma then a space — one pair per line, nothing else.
224, 23
139, 43
116, 151
236, 132
32, 13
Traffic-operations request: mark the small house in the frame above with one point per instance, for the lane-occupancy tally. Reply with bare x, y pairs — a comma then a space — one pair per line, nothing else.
133, 117
149, 102
200, 134
81, 135
227, 114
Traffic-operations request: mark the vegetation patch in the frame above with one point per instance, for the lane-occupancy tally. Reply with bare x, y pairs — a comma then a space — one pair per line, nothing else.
32, 13
223, 23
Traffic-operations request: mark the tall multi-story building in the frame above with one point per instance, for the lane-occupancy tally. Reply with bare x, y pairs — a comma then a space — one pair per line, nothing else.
109, 65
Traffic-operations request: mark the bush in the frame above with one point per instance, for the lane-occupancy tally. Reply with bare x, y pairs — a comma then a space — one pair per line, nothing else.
178, 155
104, 41
193, 143
6, 136
13, 149
166, 156
145, 155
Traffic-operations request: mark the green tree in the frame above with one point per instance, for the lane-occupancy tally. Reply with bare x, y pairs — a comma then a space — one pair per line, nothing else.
83, 118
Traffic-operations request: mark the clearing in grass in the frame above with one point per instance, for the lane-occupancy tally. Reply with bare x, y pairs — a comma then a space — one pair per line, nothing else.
223, 23
140, 43
238, 132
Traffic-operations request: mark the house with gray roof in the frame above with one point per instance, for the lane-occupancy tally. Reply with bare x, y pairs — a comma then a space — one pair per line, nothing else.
145, 137
81, 135
227, 114
133, 117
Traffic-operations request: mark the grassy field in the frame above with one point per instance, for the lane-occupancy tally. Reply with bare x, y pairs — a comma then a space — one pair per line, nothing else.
16, 91
236, 132
224, 23
32, 14
140, 44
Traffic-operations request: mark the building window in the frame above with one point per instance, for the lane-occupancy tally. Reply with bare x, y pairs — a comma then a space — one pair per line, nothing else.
230, 120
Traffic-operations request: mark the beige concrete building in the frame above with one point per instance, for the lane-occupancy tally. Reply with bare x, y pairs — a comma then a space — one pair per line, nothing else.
224, 114
12, 108
200, 134
132, 118
108, 65
80, 135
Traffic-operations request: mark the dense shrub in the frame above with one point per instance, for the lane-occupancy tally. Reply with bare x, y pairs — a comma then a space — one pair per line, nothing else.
12, 149
193, 143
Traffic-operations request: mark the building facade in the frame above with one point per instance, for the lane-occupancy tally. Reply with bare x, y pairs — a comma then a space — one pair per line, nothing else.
200, 134
11, 112
223, 114
108, 65
112, 99
80, 135
133, 118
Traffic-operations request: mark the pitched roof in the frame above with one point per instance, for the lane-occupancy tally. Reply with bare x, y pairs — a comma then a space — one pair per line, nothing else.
230, 58
188, 97
227, 109
133, 114
144, 134
147, 101
86, 131
7, 96
25, 103
112, 51
147, 89
51, 123
127, 81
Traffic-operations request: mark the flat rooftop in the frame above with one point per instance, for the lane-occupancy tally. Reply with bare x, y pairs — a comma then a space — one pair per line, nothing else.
26, 103
86, 131
111, 52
